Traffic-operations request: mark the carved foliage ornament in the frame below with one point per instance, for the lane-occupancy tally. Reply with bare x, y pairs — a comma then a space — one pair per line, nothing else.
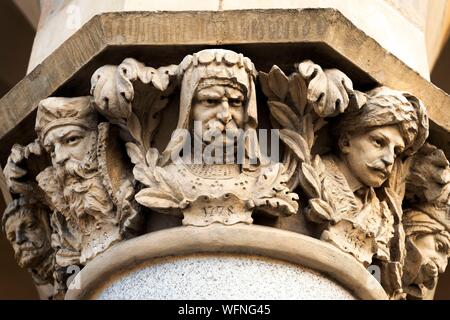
358, 160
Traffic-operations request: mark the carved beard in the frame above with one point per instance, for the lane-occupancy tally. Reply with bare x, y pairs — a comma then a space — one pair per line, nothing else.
83, 189
30, 254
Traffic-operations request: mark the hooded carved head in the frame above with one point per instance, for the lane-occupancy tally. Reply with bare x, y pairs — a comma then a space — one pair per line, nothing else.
217, 92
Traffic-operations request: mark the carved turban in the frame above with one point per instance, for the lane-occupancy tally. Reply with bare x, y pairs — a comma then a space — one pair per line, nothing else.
386, 107
427, 218
56, 112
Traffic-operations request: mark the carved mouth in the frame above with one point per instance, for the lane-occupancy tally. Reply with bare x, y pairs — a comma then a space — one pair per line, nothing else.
380, 171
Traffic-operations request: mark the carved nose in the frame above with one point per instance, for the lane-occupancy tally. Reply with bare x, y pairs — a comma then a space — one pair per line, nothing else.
60, 156
389, 158
224, 115
20, 238
441, 263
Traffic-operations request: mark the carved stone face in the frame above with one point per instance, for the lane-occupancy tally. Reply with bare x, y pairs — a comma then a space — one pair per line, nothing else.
69, 143
218, 108
28, 237
426, 258
371, 155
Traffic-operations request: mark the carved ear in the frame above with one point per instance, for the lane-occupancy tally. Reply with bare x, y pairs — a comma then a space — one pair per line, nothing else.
344, 143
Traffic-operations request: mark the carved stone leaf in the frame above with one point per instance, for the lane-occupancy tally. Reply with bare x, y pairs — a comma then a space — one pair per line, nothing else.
296, 143
284, 115
310, 181
156, 199
328, 91
278, 83
134, 127
17, 153
264, 82
308, 130
168, 183
111, 101
135, 153
319, 211
298, 91
152, 157
278, 204
142, 174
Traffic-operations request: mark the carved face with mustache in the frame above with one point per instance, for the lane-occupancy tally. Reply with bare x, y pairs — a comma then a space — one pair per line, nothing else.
427, 256
370, 155
219, 109
28, 237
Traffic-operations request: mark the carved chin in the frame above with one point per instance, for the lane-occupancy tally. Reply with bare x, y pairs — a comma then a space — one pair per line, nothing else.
374, 178
27, 258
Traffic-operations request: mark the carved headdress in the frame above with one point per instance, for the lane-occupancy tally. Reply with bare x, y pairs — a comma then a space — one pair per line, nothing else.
386, 107
221, 66
55, 112
428, 192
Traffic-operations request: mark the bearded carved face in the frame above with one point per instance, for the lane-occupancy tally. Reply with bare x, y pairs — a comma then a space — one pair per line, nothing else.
220, 110
426, 258
370, 155
69, 147
28, 237
73, 153
69, 143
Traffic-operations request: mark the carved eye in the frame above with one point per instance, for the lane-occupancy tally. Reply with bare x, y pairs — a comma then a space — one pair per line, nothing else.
73, 139
441, 247
377, 142
31, 225
235, 102
212, 101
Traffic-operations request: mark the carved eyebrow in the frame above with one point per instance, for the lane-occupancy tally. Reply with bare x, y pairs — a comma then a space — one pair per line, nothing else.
381, 135
237, 96
71, 132
209, 93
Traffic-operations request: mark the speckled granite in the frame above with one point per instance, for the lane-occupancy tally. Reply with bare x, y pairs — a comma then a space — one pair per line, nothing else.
224, 277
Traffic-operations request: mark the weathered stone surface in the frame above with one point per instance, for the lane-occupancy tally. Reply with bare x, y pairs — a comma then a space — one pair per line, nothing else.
407, 18
296, 33
355, 164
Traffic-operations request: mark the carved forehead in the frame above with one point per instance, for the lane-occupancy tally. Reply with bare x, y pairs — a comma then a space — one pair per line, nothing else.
217, 91
19, 217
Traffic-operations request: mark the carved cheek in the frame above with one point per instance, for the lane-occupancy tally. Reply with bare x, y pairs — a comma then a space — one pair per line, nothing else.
238, 116
202, 113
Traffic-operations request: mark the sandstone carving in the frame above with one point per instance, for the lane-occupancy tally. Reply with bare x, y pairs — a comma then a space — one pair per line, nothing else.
354, 164
426, 223
218, 92
27, 227
88, 189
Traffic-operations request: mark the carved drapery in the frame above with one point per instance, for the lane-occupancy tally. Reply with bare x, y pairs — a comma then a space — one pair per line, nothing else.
373, 187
